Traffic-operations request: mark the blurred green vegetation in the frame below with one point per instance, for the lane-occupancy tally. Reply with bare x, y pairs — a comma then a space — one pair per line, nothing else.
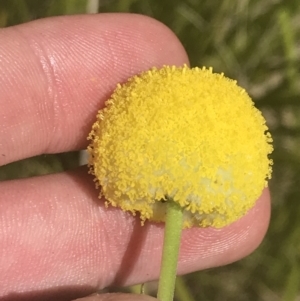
257, 43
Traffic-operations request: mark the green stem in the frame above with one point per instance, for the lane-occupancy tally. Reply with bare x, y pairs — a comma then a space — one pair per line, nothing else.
168, 269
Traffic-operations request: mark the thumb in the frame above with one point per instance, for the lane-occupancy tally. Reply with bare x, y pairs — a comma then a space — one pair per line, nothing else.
117, 297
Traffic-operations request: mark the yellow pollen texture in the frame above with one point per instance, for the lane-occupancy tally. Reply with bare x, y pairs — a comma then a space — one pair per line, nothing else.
184, 134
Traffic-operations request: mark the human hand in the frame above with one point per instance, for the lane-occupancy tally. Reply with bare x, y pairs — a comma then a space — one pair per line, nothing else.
57, 240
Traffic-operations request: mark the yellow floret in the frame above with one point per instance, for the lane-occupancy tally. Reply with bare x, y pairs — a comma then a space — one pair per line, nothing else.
184, 134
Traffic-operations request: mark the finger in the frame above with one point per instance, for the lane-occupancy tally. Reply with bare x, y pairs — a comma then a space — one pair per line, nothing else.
56, 235
117, 297
56, 73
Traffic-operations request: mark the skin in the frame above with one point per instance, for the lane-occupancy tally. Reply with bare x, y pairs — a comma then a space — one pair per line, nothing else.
57, 239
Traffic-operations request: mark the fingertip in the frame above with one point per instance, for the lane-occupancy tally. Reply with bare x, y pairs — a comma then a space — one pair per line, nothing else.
154, 33
64, 68
209, 247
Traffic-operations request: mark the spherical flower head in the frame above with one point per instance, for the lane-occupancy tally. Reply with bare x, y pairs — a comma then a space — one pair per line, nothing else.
181, 134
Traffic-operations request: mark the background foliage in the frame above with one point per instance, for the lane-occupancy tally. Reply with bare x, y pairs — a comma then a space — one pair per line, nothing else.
257, 43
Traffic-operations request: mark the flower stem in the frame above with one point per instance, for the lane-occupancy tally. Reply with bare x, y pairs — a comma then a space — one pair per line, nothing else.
168, 269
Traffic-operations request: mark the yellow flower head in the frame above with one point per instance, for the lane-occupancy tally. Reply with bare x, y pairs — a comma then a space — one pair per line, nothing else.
184, 134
